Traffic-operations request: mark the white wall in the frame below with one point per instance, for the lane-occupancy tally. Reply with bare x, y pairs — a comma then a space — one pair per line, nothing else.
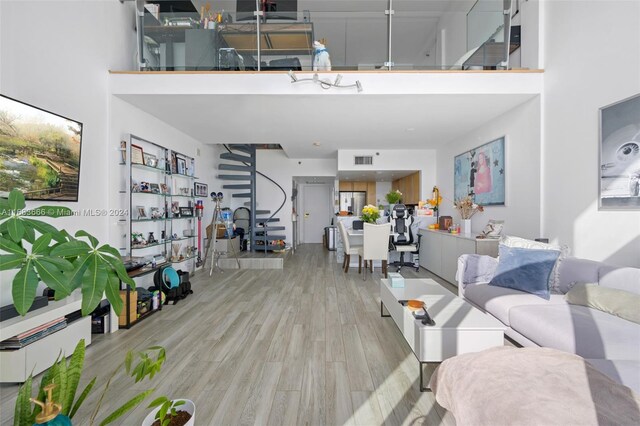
592, 59
395, 159
382, 189
521, 213
59, 62
282, 169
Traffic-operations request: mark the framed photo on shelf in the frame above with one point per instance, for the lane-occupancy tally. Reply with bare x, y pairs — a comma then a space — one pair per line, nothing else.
141, 212
175, 208
200, 189
182, 166
137, 154
619, 165
174, 163
150, 160
164, 189
186, 211
154, 187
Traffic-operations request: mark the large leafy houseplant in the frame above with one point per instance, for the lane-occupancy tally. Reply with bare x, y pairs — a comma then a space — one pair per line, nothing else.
40, 252
66, 376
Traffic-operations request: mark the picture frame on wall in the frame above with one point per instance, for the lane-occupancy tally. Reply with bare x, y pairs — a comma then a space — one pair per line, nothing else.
480, 173
137, 154
619, 155
200, 189
182, 166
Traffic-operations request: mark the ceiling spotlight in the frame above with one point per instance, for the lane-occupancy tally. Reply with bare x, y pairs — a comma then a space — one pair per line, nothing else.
338, 80
359, 86
293, 76
316, 144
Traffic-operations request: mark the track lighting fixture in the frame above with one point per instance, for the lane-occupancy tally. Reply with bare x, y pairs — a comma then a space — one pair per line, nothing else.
325, 83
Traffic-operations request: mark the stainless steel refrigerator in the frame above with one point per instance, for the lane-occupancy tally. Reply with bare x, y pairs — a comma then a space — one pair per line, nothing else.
353, 201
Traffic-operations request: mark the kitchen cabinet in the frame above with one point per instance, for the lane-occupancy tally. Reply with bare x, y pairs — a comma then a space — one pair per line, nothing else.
371, 193
410, 188
360, 186
346, 186
440, 250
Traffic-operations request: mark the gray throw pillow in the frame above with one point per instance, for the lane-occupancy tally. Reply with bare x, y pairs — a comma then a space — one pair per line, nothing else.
620, 303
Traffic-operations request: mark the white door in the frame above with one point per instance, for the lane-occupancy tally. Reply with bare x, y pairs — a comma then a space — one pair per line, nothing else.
316, 212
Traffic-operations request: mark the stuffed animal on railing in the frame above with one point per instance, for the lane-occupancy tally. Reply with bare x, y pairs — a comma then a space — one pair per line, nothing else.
321, 58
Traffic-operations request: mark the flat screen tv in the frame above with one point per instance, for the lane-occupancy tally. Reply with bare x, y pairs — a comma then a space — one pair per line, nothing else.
39, 152
275, 9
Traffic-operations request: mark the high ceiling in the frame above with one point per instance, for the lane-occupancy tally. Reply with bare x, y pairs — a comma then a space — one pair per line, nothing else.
312, 126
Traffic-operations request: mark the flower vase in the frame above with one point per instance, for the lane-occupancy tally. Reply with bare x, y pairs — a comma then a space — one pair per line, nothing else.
465, 226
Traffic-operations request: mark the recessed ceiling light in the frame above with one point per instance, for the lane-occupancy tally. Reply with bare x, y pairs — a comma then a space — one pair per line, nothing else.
316, 144
410, 129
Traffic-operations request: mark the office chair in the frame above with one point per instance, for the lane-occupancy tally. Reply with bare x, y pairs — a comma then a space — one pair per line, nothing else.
402, 235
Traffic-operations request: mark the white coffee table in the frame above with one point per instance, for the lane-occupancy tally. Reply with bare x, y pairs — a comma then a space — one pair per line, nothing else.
459, 327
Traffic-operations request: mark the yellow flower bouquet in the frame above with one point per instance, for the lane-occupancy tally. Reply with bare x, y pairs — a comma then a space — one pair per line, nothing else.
370, 213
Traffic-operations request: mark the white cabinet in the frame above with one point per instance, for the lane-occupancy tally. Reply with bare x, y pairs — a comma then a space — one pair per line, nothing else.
440, 250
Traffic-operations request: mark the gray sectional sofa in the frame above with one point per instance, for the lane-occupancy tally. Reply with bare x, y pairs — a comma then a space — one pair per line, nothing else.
609, 343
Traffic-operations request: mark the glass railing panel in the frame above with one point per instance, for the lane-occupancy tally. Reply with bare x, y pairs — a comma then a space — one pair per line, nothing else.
486, 23
414, 30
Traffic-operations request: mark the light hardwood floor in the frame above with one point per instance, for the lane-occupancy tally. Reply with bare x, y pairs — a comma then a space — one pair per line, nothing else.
301, 345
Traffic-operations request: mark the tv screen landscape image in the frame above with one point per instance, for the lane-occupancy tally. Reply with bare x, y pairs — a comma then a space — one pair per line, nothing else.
39, 152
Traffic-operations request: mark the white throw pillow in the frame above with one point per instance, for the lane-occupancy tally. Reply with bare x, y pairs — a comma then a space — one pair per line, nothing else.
554, 278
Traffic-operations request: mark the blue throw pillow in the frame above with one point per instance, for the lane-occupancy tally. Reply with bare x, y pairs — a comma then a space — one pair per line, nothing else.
526, 270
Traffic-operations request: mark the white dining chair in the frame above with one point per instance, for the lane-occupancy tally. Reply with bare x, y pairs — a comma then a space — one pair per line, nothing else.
375, 247
346, 246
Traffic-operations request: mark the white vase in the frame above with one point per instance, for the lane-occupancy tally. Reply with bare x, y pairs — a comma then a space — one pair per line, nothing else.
188, 406
465, 226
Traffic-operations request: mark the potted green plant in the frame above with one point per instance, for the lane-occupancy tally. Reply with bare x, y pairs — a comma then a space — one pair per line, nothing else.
393, 198
40, 252
177, 412
66, 376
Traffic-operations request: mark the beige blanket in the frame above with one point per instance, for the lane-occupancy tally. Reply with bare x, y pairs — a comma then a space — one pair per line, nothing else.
531, 386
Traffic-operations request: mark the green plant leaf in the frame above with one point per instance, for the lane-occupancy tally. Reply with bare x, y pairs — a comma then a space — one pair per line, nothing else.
79, 268
44, 228
129, 405
94, 282
55, 279
106, 248
118, 266
29, 233
22, 413
60, 378
74, 371
60, 263
158, 401
25, 284
41, 245
9, 246
16, 200
82, 397
112, 290
71, 248
162, 412
16, 229
128, 359
92, 239
49, 211
11, 261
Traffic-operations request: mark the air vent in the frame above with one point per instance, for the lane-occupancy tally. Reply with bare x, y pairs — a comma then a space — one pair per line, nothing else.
363, 160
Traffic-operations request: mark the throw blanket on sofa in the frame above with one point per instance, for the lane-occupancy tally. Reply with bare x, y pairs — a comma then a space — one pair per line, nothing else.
531, 386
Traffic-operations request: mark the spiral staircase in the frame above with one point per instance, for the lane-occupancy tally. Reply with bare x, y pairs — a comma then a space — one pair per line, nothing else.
240, 161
